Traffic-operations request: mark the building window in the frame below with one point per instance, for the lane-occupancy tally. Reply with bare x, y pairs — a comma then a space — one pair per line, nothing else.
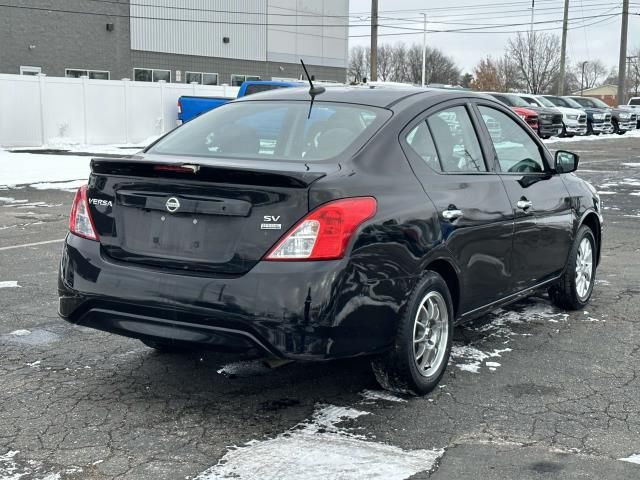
202, 78
151, 75
237, 80
92, 74
24, 70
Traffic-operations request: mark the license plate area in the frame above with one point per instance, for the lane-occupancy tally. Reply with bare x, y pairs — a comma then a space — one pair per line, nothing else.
189, 237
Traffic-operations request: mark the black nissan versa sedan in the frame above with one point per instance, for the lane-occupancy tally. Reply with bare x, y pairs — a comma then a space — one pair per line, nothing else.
368, 222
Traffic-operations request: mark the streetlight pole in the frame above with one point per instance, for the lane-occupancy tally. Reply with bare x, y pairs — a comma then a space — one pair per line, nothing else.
584, 64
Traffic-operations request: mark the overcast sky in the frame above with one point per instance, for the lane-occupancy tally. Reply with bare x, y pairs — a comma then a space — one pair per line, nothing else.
598, 41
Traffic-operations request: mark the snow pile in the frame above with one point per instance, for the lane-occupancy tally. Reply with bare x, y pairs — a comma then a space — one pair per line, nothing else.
22, 168
317, 450
370, 396
9, 284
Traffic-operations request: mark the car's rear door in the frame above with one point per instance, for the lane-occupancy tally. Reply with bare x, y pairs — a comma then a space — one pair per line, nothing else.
539, 199
474, 210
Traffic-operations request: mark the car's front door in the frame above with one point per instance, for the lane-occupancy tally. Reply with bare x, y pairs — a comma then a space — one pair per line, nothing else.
474, 210
539, 199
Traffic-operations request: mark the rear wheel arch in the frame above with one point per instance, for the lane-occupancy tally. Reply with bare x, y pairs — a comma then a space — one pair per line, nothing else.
449, 274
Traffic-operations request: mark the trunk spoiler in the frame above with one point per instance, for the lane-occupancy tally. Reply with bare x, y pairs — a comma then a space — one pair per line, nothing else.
250, 172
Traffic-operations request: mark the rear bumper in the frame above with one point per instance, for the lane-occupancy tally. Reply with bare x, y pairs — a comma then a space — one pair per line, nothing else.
297, 310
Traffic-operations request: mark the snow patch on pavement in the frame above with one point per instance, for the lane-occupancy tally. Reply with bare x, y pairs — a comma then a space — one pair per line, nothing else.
318, 449
631, 164
20, 333
9, 284
11, 469
26, 168
71, 186
244, 369
374, 395
473, 357
635, 458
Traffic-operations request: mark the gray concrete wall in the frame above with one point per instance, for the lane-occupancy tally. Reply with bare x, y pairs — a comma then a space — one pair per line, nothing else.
65, 39
73, 39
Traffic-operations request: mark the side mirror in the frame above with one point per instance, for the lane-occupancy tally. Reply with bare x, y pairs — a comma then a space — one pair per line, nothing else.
566, 162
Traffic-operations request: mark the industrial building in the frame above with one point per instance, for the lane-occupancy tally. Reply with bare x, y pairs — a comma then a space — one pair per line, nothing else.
211, 42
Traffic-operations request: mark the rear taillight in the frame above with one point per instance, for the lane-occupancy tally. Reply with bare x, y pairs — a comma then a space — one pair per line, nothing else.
325, 232
80, 222
179, 108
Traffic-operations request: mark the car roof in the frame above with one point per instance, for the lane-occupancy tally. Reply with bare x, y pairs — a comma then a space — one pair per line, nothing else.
375, 96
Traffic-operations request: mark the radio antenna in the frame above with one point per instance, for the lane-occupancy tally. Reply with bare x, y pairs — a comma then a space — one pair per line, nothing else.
313, 90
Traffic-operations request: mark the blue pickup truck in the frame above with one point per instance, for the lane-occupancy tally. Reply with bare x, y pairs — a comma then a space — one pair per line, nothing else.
190, 107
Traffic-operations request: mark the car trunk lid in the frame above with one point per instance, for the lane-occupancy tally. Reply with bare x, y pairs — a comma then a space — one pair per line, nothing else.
197, 215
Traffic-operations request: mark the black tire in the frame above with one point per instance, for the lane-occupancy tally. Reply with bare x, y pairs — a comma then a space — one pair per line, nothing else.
616, 127
162, 347
397, 369
565, 293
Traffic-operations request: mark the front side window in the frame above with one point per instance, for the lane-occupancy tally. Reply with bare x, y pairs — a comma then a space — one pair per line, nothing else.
530, 101
274, 130
456, 141
515, 149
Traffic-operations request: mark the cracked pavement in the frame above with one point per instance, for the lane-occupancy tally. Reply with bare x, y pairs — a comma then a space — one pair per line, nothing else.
561, 399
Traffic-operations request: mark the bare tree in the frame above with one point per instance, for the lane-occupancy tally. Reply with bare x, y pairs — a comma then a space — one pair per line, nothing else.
357, 64
537, 58
508, 74
633, 76
385, 62
594, 73
400, 73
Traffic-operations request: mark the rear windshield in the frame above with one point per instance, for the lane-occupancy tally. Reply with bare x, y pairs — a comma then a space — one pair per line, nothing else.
275, 130
634, 101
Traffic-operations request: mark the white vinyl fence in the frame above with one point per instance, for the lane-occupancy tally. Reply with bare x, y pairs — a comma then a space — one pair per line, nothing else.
39, 110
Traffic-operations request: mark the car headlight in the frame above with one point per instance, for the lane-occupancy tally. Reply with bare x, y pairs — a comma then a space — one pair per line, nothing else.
545, 116
572, 117
625, 116
599, 116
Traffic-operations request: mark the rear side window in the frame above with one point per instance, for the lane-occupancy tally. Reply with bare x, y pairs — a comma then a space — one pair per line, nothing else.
277, 130
634, 101
420, 141
456, 141
515, 149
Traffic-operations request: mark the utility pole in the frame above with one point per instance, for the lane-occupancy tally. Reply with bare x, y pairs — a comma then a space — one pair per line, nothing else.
563, 53
373, 75
424, 49
533, 6
584, 64
622, 64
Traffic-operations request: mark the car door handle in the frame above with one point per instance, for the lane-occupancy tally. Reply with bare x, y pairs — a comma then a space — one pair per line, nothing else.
452, 215
524, 204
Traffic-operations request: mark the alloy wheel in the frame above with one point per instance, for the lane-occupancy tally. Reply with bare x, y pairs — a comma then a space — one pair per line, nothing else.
584, 268
430, 334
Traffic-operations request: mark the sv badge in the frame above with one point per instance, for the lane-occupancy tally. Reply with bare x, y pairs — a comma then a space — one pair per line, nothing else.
270, 222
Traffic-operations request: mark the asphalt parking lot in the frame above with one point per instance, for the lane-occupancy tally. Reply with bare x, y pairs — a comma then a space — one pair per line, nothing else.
532, 392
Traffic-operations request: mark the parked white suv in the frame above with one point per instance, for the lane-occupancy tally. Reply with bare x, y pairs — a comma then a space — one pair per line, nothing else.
574, 120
